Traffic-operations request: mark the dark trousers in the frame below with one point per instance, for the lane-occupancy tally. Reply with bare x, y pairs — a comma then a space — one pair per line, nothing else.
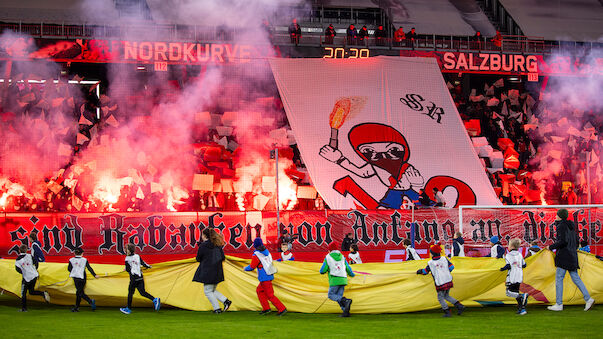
80, 284
28, 286
137, 285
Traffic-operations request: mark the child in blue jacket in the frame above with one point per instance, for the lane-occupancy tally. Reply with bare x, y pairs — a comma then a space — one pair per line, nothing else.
262, 261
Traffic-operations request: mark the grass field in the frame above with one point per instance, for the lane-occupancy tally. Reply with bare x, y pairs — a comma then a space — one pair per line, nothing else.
50, 321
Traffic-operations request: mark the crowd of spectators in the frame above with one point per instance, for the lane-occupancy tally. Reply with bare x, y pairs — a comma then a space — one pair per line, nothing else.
213, 146
533, 148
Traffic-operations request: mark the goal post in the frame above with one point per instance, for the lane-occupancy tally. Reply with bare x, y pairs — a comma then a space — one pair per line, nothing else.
530, 223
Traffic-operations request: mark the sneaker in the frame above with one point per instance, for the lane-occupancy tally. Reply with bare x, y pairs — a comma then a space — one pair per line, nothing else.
46, 297
227, 304
523, 311
460, 308
93, 305
157, 303
281, 313
555, 307
524, 300
125, 310
23, 310
589, 304
218, 311
264, 312
347, 306
446, 313
75, 309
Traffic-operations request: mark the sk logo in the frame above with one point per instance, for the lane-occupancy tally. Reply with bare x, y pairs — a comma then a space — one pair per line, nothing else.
413, 101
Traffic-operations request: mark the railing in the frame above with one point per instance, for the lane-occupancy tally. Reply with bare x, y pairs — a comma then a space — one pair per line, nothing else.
509, 44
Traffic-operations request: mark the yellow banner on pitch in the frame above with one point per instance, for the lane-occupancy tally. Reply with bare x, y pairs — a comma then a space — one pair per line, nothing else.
377, 287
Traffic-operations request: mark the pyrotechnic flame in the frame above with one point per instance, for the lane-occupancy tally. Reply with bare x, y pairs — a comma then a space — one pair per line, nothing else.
3, 200
107, 190
542, 199
175, 197
240, 202
287, 189
11, 189
249, 178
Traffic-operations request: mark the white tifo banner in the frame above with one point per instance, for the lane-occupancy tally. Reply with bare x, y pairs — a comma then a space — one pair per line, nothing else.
374, 132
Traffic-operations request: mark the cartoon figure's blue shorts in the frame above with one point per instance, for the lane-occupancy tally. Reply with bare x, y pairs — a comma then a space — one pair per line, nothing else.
394, 198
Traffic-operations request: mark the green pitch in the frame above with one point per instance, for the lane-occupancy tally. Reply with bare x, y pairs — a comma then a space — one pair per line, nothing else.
50, 321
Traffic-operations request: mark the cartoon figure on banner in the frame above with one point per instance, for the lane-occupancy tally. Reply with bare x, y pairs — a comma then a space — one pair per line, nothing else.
386, 153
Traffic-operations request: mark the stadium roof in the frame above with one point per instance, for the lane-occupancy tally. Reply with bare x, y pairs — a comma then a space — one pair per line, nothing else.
570, 20
58, 11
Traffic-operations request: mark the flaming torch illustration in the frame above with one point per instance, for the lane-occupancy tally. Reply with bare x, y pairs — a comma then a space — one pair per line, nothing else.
340, 112
343, 109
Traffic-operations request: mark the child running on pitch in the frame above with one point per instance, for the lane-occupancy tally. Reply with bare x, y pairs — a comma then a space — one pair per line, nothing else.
354, 255
134, 264
440, 269
27, 265
338, 269
77, 270
262, 261
411, 253
515, 265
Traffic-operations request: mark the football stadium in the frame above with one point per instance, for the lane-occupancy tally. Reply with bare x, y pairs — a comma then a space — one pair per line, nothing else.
301, 168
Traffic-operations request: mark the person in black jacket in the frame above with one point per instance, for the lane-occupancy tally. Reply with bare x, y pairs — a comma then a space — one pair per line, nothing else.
36, 247
210, 272
352, 34
363, 36
380, 36
458, 247
566, 259
347, 242
294, 32
424, 199
330, 34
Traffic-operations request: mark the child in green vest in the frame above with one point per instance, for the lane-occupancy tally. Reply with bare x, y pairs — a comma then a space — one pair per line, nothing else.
338, 269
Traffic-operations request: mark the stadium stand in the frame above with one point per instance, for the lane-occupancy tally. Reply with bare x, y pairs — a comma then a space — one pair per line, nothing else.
508, 125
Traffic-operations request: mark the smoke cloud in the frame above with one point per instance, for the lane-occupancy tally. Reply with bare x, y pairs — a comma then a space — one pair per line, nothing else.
570, 119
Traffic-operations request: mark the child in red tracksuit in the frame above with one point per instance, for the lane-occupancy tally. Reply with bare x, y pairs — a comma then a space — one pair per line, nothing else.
262, 260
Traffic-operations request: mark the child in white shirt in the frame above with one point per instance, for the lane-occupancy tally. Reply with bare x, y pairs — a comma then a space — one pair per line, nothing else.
440, 269
515, 265
411, 253
354, 255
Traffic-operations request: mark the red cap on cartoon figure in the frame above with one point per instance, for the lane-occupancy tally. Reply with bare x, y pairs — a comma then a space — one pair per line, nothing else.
370, 133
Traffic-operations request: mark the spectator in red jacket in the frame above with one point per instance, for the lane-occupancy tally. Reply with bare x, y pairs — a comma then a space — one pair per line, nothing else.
399, 36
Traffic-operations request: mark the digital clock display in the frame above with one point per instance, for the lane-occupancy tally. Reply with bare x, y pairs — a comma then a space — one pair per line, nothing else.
343, 53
